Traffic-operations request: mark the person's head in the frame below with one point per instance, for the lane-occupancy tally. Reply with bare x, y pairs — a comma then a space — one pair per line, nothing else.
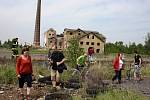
135, 52
119, 55
25, 51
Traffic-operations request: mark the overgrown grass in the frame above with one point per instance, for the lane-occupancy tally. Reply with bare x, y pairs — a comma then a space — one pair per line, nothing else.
8, 74
114, 94
106, 71
117, 94
78, 97
40, 70
145, 70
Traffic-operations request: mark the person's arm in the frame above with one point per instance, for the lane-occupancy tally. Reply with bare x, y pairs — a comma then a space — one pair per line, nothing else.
50, 61
62, 57
140, 61
78, 61
62, 61
18, 66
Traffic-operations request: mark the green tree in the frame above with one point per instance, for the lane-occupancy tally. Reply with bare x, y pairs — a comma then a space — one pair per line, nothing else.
7, 44
132, 48
73, 51
147, 43
140, 48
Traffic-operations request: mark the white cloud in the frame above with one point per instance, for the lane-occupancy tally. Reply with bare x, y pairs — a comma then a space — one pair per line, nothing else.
115, 18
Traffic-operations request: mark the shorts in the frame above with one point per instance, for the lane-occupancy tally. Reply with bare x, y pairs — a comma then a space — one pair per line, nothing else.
137, 69
55, 73
25, 78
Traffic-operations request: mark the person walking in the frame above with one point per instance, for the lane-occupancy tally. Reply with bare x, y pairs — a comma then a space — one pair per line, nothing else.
57, 60
24, 72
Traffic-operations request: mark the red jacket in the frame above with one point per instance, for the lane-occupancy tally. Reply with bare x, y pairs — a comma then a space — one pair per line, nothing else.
24, 65
116, 63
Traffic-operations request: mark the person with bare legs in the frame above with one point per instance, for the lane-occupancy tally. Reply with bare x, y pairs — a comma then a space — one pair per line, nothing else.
24, 72
137, 66
57, 66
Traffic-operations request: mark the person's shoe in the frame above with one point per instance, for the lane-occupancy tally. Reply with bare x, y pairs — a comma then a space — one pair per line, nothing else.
21, 96
28, 97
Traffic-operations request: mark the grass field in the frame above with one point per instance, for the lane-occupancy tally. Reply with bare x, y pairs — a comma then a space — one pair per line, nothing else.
104, 71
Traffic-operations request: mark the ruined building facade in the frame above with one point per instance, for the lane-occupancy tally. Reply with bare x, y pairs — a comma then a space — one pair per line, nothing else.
86, 39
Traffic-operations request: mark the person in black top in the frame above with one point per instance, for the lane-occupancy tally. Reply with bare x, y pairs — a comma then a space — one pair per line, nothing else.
57, 66
137, 66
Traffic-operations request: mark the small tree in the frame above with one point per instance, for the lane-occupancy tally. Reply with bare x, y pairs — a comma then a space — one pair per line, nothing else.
73, 51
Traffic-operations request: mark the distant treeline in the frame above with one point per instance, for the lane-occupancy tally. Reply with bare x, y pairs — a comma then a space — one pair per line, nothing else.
129, 49
7, 44
116, 47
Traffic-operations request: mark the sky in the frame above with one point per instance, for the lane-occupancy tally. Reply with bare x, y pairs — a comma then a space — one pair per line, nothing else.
117, 20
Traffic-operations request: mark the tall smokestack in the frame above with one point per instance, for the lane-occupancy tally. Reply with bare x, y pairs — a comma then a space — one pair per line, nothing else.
36, 42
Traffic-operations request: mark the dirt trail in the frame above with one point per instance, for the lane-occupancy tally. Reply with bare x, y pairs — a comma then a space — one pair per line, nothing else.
141, 87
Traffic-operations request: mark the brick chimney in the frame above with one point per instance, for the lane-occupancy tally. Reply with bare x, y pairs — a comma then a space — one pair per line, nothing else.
36, 42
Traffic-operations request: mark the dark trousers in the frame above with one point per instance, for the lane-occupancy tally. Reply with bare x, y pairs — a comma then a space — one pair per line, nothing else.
25, 78
117, 76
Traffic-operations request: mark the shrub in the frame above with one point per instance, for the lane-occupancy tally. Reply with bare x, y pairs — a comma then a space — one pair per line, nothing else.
73, 51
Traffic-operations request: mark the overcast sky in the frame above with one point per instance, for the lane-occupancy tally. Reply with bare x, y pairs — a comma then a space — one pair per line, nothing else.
125, 20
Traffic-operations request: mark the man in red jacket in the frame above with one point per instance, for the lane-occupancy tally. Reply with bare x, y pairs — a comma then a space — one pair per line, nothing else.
24, 71
118, 64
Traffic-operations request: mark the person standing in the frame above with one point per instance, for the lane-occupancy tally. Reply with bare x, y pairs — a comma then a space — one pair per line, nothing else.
137, 66
24, 72
118, 65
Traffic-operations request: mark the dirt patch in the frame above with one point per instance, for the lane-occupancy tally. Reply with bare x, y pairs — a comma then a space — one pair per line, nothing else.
12, 93
141, 86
